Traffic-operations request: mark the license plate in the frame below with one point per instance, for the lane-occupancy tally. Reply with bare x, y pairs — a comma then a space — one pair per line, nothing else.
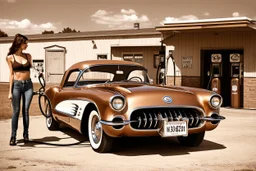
174, 128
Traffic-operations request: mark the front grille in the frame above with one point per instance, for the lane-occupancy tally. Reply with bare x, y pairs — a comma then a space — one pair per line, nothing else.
149, 118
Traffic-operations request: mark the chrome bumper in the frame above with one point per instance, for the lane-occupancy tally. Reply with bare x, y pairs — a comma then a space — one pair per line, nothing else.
110, 123
213, 118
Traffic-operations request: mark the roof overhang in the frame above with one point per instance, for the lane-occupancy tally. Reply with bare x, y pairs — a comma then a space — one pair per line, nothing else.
89, 35
223, 23
135, 45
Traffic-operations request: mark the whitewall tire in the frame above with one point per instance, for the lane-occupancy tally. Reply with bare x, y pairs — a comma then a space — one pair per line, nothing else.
50, 121
100, 142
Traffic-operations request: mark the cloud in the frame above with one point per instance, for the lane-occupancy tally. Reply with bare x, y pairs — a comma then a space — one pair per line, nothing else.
235, 14
124, 19
206, 14
182, 18
24, 26
130, 11
11, 1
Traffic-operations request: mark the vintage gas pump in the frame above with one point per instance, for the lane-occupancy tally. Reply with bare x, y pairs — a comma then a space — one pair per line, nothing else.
160, 74
216, 73
235, 79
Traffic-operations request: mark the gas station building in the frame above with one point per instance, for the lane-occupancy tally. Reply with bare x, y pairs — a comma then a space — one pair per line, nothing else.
214, 54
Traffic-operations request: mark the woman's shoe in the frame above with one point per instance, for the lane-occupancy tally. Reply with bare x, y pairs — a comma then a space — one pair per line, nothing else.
13, 141
26, 139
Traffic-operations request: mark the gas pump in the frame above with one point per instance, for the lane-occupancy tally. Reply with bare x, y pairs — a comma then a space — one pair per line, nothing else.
215, 73
235, 79
160, 74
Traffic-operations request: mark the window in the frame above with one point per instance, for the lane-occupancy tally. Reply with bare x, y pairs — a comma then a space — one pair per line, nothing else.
156, 60
138, 58
102, 56
38, 67
95, 77
128, 57
138, 75
134, 57
72, 77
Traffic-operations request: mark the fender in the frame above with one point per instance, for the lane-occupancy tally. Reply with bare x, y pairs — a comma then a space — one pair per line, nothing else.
72, 108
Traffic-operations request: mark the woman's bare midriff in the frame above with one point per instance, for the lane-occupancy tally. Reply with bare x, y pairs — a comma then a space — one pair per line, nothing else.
22, 75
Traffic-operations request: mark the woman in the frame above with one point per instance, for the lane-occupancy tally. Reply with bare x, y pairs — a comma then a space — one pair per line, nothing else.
21, 86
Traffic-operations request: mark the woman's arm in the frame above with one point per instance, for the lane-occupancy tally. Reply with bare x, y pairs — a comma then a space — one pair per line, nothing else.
29, 59
9, 62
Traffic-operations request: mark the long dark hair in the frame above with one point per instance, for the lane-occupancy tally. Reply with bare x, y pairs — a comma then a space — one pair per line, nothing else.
18, 40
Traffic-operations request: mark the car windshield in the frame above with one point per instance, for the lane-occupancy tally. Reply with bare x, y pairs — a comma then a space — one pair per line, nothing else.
113, 73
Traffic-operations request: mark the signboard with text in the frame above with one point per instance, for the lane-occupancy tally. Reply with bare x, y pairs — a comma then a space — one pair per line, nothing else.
187, 61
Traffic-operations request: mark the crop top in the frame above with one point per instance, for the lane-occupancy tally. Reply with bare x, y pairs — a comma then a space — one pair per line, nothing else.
16, 66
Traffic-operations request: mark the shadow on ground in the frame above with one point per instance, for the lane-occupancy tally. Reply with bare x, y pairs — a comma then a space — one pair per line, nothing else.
135, 146
161, 146
56, 141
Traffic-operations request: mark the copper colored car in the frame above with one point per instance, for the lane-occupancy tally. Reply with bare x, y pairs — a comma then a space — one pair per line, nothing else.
106, 99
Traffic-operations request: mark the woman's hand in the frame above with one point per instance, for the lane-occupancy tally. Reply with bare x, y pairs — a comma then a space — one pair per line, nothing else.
10, 96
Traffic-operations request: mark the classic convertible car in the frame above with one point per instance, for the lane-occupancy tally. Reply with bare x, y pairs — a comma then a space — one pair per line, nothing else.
106, 99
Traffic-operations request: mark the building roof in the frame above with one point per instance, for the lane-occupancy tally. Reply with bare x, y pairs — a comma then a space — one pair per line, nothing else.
191, 25
88, 35
218, 23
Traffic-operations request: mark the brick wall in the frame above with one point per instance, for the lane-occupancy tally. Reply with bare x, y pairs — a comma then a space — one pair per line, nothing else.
170, 81
249, 92
189, 81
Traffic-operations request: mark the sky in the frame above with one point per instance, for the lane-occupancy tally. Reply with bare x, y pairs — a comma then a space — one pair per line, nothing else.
35, 16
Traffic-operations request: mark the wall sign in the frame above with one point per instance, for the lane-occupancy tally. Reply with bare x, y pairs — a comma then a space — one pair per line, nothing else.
216, 58
187, 61
234, 57
38, 66
102, 56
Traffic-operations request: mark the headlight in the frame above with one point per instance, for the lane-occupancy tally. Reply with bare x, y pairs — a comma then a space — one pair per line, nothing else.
117, 102
215, 101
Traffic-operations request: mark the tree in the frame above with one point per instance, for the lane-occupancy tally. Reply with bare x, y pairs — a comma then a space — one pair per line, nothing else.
68, 30
3, 34
48, 32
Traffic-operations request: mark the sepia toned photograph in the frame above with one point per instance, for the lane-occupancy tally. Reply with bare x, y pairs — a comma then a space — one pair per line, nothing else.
128, 85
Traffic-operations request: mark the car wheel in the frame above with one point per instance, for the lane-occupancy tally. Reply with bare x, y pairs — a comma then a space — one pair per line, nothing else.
192, 140
50, 121
100, 142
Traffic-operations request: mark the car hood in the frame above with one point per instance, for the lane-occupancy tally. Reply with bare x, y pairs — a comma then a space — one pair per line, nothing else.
152, 95
142, 88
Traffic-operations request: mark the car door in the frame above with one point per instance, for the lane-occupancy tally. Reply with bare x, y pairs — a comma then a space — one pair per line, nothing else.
64, 105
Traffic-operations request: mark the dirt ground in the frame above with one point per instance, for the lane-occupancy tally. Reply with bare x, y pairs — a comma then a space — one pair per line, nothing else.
5, 103
230, 147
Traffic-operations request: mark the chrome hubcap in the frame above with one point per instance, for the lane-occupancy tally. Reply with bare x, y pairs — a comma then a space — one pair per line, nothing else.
96, 129
48, 119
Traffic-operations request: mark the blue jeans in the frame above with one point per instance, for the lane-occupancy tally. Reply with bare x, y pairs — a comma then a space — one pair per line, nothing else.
24, 90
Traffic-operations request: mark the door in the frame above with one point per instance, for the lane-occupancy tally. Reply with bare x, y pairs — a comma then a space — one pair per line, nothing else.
55, 67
